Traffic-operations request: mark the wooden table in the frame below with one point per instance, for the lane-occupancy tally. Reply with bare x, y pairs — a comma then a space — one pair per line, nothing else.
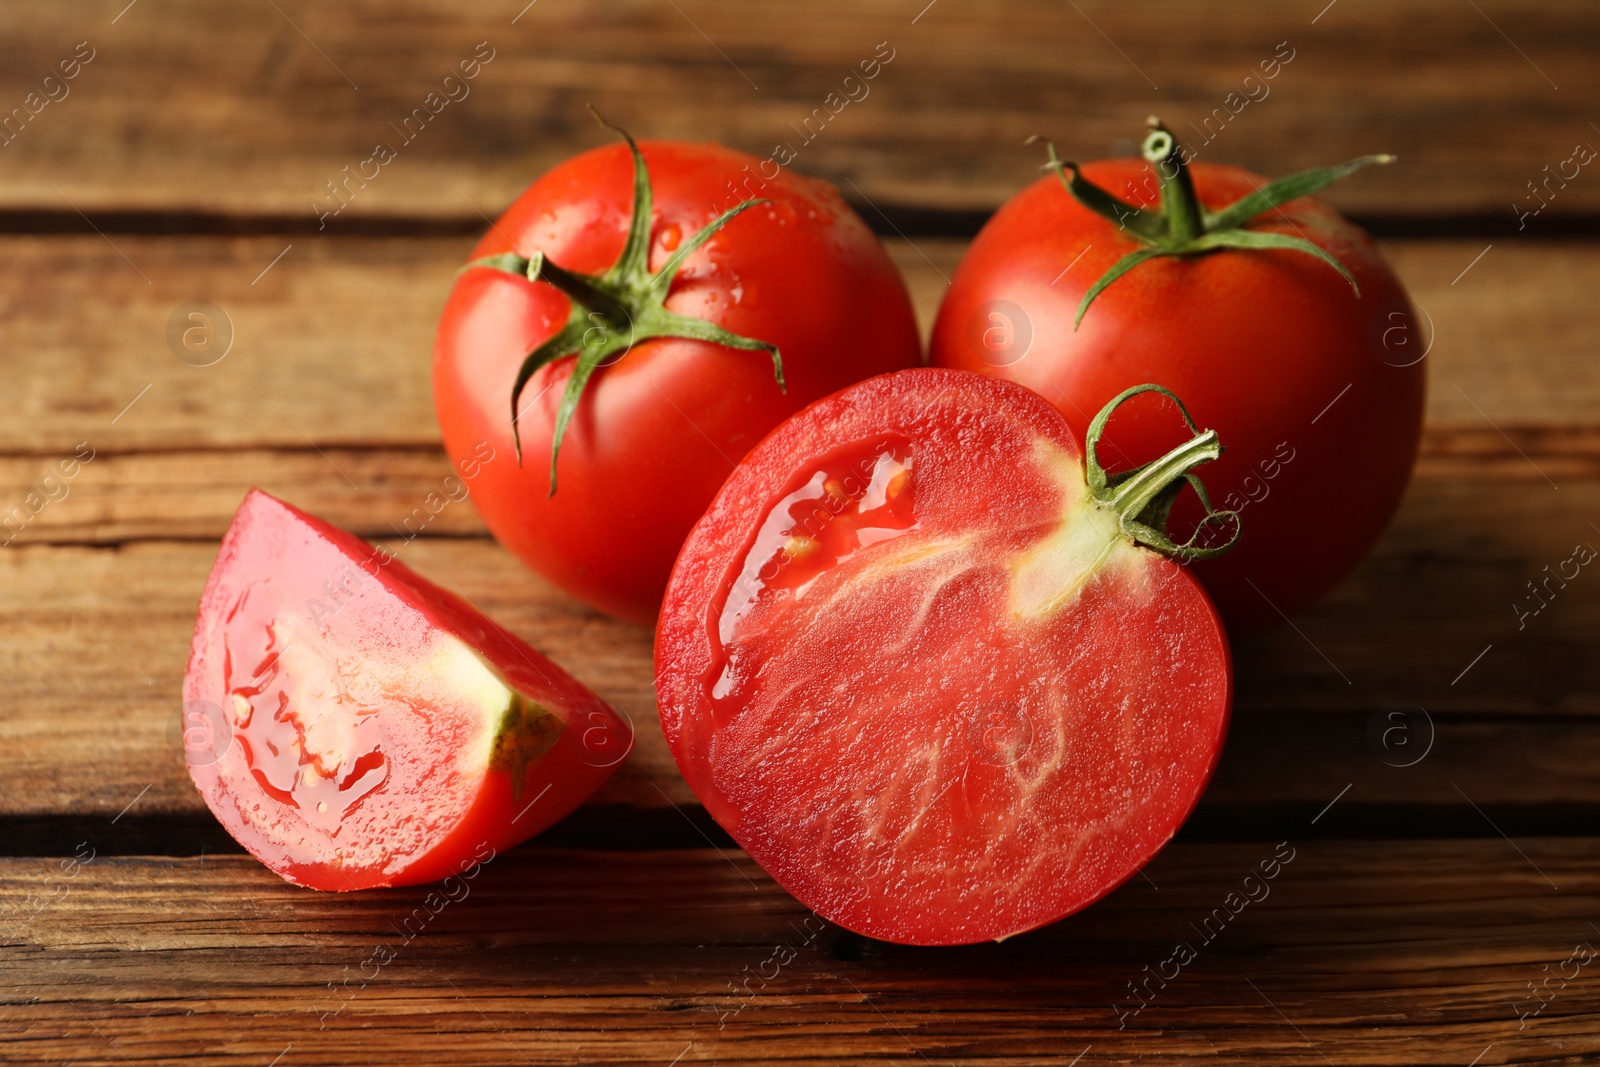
1433, 913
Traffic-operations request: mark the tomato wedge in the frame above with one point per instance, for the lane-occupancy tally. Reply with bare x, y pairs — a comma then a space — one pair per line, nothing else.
924, 668
353, 725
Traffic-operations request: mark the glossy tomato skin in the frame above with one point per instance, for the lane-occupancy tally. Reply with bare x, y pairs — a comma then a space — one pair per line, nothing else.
657, 431
915, 749
1316, 394
313, 647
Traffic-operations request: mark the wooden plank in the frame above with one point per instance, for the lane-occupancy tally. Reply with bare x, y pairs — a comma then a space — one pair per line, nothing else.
331, 350
380, 492
252, 110
337, 348
333, 345
192, 494
109, 642
1355, 953
99, 632
1412, 621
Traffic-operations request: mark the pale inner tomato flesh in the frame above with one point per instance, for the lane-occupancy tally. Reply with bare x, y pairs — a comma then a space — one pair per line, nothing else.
367, 743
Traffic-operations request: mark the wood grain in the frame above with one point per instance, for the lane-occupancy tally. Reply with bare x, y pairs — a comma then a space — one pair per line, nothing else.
195, 107
99, 631
324, 399
1358, 953
1417, 747
333, 345
191, 494
110, 631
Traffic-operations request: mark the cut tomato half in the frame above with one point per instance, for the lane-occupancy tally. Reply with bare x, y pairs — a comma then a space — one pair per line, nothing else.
353, 725
920, 667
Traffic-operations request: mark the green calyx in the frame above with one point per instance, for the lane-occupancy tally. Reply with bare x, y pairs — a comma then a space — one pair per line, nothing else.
1142, 498
612, 312
1182, 227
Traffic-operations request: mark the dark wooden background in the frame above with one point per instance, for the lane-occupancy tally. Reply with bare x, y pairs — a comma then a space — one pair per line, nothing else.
1434, 913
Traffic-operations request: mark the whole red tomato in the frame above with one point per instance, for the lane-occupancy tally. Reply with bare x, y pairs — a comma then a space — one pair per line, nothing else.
654, 362
1251, 314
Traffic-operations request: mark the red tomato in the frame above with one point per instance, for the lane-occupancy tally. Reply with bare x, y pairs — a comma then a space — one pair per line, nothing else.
1317, 392
925, 677
353, 725
657, 431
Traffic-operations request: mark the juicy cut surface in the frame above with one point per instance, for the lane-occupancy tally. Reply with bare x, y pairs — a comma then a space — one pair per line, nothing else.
347, 733
890, 715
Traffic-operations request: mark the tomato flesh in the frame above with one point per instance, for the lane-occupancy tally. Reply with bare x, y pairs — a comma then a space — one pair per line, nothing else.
925, 682
353, 725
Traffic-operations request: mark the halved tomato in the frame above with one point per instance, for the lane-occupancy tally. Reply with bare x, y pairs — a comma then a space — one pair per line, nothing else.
922, 663
354, 725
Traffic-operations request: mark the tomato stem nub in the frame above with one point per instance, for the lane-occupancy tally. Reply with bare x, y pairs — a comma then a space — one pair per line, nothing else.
1142, 498
1183, 227
1179, 204
613, 311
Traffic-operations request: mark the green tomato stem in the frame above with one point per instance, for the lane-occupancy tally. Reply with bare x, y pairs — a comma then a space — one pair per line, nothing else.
1179, 204
1182, 226
613, 311
1141, 498
1130, 498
